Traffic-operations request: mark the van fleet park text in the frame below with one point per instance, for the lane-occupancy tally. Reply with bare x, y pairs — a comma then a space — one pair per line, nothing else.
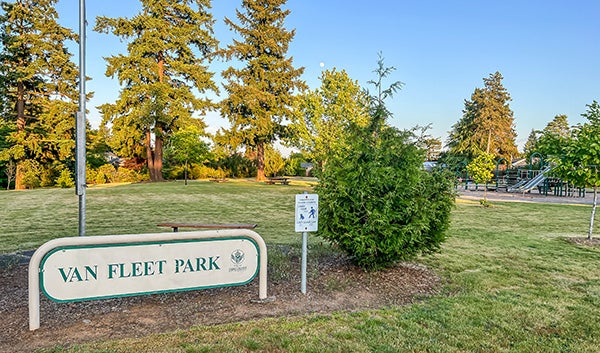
139, 269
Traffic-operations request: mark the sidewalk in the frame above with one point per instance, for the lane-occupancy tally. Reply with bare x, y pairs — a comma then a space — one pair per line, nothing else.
525, 197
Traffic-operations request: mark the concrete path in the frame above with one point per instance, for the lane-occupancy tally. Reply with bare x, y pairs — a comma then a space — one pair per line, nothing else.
525, 197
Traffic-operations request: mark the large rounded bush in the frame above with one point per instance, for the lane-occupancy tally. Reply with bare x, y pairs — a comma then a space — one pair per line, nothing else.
379, 205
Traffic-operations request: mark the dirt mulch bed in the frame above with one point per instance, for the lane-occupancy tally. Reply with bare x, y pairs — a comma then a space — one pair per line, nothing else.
337, 285
584, 241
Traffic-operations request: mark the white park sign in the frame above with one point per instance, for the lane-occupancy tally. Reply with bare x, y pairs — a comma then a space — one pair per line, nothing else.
307, 213
88, 268
95, 272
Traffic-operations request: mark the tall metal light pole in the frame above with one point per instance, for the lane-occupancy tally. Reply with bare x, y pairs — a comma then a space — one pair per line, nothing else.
80, 125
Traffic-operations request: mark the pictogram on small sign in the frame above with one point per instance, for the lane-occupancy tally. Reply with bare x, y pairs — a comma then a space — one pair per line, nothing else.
307, 213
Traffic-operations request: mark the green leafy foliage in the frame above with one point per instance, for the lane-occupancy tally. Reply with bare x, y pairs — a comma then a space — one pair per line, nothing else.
107, 173
274, 162
326, 115
579, 161
376, 202
482, 168
186, 146
380, 206
65, 180
552, 139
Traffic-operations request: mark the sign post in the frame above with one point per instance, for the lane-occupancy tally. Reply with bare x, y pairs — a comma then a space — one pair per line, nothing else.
307, 220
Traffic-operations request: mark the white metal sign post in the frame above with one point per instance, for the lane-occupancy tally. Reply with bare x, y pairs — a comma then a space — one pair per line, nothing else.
307, 220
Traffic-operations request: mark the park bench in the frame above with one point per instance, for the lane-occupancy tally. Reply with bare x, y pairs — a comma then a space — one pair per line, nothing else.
176, 226
280, 180
218, 180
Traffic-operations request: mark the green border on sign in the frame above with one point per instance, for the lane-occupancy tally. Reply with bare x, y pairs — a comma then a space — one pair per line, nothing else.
69, 247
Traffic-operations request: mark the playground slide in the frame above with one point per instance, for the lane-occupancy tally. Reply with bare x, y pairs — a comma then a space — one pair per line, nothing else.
517, 185
534, 182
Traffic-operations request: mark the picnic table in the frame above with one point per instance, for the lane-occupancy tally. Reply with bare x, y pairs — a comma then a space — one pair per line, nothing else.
176, 226
218, 180
280, 180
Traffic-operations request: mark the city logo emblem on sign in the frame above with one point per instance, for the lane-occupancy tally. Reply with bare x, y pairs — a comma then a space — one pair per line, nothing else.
237, 257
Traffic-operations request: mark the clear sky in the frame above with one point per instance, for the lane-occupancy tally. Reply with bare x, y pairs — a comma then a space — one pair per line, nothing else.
547, 50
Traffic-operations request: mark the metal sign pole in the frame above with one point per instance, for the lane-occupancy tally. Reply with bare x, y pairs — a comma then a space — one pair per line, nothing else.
304, 261
80, 123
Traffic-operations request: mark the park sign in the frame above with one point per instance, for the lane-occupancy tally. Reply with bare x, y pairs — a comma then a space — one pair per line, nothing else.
307, 213
98, 267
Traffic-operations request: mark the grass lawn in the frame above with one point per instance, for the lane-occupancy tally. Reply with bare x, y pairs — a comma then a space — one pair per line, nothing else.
512, 281
29, 218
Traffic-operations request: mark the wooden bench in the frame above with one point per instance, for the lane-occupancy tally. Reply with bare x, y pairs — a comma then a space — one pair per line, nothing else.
176, 226
218, 180
280, 180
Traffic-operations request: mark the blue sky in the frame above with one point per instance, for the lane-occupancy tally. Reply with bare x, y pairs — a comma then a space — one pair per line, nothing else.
548, 52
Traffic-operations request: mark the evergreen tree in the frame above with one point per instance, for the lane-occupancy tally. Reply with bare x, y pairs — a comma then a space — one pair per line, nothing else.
159, 74
376, 201
553, 137
39, 89
487, 123
261, 94
531, 143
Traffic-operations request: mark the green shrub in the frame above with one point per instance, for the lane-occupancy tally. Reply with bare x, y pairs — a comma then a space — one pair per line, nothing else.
235, 166
107, 173
31, 170
65, 180
379, 205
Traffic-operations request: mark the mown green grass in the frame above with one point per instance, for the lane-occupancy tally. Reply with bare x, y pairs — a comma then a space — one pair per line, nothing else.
29, 218
512, 283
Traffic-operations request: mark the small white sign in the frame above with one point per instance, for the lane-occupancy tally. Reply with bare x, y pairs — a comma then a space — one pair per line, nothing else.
307, 212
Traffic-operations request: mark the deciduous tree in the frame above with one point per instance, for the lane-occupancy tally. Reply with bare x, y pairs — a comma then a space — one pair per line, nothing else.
327, 114
169, 45
186, 146
481, 169
579, 160
261, 94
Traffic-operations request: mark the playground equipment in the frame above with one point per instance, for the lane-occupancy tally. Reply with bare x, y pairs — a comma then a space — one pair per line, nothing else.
526, 185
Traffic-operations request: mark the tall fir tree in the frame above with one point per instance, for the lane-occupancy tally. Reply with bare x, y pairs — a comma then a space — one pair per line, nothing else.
169, 45
531, 143
487, 124
262, 93
553, 137
40, 89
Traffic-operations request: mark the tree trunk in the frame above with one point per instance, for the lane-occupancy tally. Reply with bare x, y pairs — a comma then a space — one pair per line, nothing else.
158, 157
594, 203
185, 168
20, 128
150, 155
19, 177
260, 162
154, 156
10, 173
